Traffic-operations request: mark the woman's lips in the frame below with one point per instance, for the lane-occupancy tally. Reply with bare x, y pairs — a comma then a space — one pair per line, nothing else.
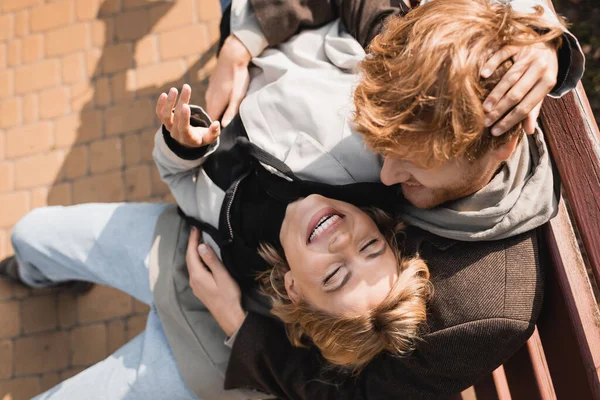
316, 218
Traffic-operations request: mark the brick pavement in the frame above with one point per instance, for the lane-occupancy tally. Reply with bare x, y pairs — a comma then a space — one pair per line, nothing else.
78, 82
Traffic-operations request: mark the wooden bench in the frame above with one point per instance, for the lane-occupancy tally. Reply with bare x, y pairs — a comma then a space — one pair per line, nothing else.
562, 358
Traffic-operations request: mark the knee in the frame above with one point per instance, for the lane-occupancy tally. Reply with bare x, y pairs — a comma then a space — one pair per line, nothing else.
30, 229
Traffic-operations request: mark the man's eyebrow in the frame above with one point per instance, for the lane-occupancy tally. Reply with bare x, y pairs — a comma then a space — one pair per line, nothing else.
342, 283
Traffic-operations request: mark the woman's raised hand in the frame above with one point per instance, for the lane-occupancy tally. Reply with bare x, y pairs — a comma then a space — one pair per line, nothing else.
176, 119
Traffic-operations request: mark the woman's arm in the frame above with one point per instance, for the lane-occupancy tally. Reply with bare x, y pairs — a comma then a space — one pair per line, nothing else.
180, 147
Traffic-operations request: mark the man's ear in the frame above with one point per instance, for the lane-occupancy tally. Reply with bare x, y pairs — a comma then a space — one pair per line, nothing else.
291, 287
504, 151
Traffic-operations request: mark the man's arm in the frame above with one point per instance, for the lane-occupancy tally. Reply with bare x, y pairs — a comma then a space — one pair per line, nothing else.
445, 363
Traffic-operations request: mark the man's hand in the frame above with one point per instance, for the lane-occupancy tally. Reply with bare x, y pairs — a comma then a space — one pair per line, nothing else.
524, 86
213, 285
178, 122
228, 83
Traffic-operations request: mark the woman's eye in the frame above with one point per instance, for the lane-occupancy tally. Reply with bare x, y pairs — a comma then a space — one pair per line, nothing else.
369, 244
331, 276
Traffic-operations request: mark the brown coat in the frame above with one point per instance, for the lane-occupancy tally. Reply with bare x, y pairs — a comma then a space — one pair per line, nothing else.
487, 299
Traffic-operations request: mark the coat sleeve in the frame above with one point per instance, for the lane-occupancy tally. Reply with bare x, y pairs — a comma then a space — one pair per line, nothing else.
445, 363
179, 167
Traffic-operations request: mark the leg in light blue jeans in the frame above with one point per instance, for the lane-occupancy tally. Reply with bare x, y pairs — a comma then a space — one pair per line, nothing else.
108, 244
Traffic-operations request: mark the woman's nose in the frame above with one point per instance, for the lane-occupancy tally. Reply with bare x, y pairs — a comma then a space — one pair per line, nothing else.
392, 172
339, 241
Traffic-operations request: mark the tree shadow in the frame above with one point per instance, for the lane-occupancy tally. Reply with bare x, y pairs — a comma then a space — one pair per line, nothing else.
109, 156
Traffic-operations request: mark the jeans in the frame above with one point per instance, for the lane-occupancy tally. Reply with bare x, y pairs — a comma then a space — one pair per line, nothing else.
108, 244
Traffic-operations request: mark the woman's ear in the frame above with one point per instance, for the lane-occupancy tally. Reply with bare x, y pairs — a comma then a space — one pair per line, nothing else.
504, 151
291, 287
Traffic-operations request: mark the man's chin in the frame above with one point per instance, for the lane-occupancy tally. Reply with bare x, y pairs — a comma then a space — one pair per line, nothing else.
421, 200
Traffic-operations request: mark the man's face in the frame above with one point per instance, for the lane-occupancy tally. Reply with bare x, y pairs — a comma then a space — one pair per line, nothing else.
429, 187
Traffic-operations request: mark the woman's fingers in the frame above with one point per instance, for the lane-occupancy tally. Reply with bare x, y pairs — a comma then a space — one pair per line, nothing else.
167, 111
497, 59
200, 277
520, 112
160, 104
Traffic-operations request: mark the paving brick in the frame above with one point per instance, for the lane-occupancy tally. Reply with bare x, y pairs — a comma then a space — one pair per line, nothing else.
159, 188
22, 23
45, 352
10, 112
73, 68
102, 92
6, 83
88, 344
170, 16
209, 10
28, 139
10, 319
129, 117
76, 163
160, 76
109, 7
54, 102
82, 96
61, 194
106, 155
131, 150
2, 145
20, 388
137, 183
147, 144
49, 380
30, 108
39, 314
117, 57
2, 55
129, 4
117, 335
46, 73
100, 32
140, 308
69, 39
99, 188
70, 372
6, 359
13, 55
38, 170
14, 206
16, 5
33, 48
122, 87
39, 197
146, 51
7, 177
87, 9
7, 23
78, 128
52, 15
200, 71
21, 292
67, 309
93, 66
135, 325
171, 45
6, 288
114, 304
132, 25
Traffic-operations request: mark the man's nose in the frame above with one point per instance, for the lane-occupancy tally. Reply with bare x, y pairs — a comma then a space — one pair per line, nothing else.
392, 172
339, 241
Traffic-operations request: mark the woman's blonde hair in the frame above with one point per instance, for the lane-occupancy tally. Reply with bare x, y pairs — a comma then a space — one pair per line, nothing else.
352, 341
420, 93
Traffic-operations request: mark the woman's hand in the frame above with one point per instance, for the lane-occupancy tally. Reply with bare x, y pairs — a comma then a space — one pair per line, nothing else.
213, 285
524, 86
178, 122
229, 81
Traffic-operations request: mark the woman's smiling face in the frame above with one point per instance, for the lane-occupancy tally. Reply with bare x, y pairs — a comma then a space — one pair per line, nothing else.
339, 260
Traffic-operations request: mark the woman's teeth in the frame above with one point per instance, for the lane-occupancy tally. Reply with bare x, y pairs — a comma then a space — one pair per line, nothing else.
323, 224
